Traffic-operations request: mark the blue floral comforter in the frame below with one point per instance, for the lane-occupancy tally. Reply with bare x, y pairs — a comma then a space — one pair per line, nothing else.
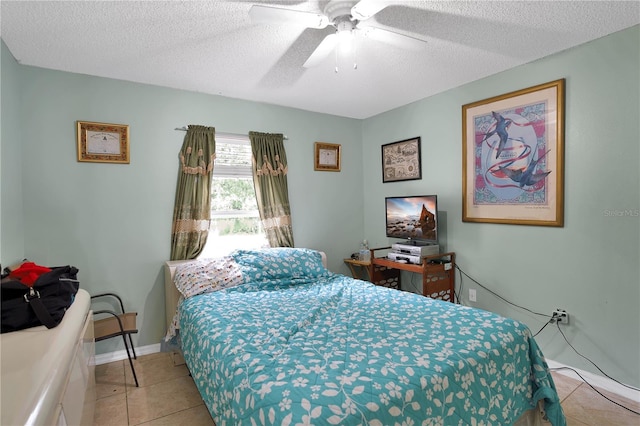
314, 347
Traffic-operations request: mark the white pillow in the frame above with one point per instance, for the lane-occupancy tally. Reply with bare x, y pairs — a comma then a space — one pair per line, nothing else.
207, 275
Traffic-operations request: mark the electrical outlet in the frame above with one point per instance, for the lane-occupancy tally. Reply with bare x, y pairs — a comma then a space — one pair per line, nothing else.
472, 295
560, 316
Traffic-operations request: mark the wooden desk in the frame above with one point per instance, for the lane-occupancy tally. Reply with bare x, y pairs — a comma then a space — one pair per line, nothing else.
438, 279
377, 274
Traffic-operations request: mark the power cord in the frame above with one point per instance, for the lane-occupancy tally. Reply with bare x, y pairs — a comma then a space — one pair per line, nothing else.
596, 390
543, 327
498, 296
459, 294
551, 321
592, 363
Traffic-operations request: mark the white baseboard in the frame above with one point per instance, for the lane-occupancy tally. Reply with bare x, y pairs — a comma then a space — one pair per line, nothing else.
122, 354
597, 381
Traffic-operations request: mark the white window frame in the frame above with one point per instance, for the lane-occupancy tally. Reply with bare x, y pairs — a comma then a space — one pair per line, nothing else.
225, 171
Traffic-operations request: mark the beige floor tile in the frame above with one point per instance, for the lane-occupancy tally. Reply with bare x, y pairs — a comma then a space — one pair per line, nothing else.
109, 368
110, 379
196, 416
565, 385
154, 368
111, 411
586, 406
573, 422
154, 355
161, 399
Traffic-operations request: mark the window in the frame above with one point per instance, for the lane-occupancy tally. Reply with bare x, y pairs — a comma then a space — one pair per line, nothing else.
235, 221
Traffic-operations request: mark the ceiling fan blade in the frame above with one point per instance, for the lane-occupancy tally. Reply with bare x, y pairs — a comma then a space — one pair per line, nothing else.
365, 9
393, 38
323, 50
270, 15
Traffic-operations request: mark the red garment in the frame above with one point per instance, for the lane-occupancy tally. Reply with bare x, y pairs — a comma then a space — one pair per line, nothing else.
28, 273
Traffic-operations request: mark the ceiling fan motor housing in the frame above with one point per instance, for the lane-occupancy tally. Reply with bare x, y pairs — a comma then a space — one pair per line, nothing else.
345, 24
339, 13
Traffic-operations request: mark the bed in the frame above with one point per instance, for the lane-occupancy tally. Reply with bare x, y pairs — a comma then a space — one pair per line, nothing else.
272, 337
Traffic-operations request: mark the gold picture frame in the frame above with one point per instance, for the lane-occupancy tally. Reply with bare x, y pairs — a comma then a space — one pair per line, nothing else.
103, 142
513, 157
327, 157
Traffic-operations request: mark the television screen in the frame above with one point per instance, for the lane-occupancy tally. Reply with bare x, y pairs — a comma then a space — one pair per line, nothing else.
413, 218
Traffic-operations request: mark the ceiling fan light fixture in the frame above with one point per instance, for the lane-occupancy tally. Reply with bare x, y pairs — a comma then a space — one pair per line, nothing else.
345, 41
345, 31
345, 36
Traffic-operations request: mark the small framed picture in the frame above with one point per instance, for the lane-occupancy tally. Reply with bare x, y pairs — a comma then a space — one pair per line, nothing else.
103, 142
401, 161
327, 157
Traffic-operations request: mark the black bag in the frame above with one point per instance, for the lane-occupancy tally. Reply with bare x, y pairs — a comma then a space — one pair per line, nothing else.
45, 303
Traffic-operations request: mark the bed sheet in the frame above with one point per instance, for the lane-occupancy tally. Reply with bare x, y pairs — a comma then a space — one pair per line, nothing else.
334, 350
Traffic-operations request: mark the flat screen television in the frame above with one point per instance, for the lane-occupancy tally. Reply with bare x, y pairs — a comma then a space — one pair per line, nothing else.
413, 218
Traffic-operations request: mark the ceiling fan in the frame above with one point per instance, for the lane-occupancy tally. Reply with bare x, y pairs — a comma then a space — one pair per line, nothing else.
347, 17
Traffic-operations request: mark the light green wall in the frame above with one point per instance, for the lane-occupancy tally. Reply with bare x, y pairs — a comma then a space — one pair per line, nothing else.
113, 221
590, 267
11, 223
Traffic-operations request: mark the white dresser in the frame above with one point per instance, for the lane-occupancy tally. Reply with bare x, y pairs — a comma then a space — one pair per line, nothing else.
48, 376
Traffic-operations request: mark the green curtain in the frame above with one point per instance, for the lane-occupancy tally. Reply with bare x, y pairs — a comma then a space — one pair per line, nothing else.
192, 210
272, 191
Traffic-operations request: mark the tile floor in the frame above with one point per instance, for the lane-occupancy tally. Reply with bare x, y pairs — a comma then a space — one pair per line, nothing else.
168, 396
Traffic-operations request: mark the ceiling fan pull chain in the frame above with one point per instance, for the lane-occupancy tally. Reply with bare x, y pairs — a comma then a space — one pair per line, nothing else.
354, 40
336, 56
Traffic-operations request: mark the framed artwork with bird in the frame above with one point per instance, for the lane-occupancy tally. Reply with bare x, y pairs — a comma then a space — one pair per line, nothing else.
512, 161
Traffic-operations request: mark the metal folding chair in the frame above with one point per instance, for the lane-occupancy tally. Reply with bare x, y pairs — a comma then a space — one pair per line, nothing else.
117, 324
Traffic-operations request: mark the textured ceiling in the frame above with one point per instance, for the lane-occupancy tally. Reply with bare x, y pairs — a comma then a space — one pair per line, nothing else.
214, 47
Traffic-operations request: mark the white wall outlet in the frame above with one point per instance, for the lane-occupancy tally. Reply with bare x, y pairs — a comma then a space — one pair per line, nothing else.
560, 316
472, 295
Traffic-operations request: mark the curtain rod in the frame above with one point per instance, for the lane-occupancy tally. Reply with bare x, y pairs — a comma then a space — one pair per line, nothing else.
226, 135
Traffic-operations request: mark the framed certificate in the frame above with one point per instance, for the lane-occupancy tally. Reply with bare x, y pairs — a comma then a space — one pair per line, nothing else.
327, 157
103, 142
